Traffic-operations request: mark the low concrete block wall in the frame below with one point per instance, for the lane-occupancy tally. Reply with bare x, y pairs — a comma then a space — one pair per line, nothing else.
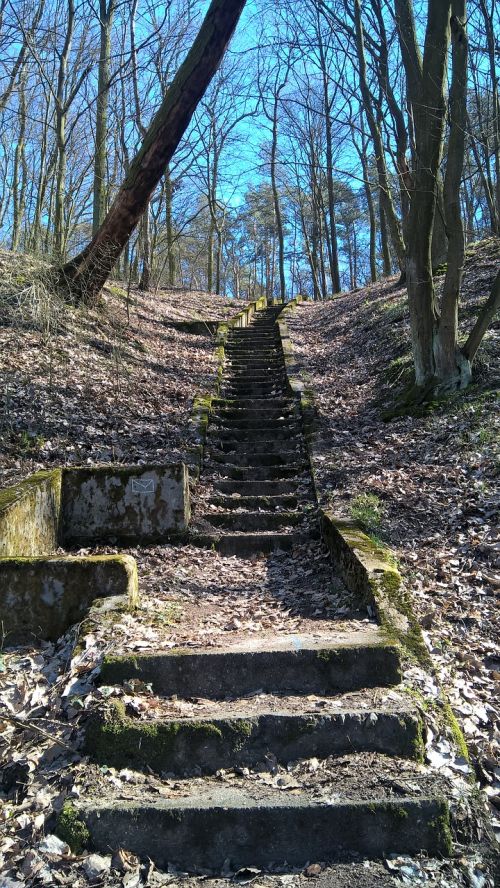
128, 504
29, 515
41, 597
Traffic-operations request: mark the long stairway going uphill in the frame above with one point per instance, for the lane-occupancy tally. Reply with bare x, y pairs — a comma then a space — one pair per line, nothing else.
255, 464
303, 748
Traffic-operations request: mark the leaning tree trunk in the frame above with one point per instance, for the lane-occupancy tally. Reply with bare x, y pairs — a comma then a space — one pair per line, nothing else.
84, 276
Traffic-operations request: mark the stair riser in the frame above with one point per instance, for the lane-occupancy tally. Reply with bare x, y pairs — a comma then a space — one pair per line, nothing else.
263, 473
255, 502
234, 673
256, 488
243, 545
200, 839
258, 444
250, 522
184, 746
247, 460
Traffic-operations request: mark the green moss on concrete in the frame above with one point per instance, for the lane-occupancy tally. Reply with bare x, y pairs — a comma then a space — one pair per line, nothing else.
71, 829
441, 826
114, 739
455, 731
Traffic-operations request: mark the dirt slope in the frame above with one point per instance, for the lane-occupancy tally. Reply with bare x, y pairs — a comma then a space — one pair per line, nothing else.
114, 385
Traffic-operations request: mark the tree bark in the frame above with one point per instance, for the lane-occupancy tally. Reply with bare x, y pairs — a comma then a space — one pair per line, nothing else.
84, 276
106, 13
426, 84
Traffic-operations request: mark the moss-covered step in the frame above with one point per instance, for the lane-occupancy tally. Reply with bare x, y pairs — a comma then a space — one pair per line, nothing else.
301, 664
29, 515
244, 544
41, 597
185, 745
135, 504
202, 831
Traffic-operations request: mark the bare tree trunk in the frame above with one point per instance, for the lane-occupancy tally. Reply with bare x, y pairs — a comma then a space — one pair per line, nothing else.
388, 204
106, 13
384, 240
276, 199
19, 175
169, 227
84, 276
451, 366
426, 83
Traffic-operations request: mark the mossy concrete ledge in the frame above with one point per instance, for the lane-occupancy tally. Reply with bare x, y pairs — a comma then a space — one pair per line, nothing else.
368, 571
41, 597
29, 515
137, 504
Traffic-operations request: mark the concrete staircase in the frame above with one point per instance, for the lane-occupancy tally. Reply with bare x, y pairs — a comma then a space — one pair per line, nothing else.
255, 459
377, 797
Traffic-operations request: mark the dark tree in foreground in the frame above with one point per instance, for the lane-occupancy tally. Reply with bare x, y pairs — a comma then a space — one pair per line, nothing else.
84, 276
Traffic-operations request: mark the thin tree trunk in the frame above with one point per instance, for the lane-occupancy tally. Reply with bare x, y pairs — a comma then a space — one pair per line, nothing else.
19, 174
384, 240
106, 13
169, 227
388, 204
86, 274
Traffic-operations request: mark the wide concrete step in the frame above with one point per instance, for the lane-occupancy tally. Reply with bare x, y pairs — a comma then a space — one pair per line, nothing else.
285, 423
266, 489
202, 831
255, 363
264, 414
263, 503
258, 473
248, 351
254, 521
232, 458
254, 403
244, 545
296, 664
223, 439
240, 736
236, 433
269, 390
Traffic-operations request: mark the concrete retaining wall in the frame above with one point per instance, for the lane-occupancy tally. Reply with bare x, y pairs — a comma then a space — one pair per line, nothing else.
29, 515
128, 504
42, 597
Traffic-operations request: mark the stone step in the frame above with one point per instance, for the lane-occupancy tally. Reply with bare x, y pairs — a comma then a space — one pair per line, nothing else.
286, 424
261, 473
254, 521
254, 403
255, 378
247, 735
287, 411
202, 831
292, 664
244, 545
256, 488
256, 441
264, 503
275, 363
248, 459
270, 390
248, 351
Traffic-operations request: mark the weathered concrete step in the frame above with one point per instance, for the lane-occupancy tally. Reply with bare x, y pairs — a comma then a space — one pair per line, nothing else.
264, 414
254, 403
261, 473
236, 433
222, 439
248, 459
182, 746
295, 664
256, 363
266, 503
244, 545
270, 390
237, 422
201, 832
256, 488
249, 351
254, 521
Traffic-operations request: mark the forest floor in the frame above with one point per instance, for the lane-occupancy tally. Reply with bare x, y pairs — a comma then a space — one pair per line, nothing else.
116, 385
427, 485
